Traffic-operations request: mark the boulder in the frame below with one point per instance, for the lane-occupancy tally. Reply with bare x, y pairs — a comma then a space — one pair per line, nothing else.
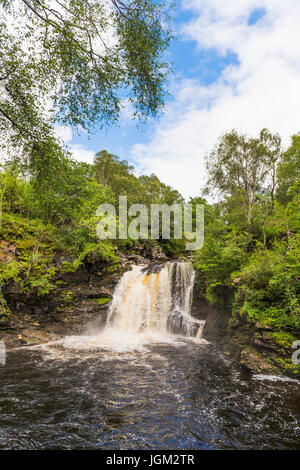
153, 252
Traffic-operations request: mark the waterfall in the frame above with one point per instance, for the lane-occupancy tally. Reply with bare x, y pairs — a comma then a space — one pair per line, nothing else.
159, 300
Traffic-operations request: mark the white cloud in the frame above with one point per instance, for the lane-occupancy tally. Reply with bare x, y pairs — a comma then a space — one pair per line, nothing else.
127, 112
78, 151
81, 154
261, 91
64, 133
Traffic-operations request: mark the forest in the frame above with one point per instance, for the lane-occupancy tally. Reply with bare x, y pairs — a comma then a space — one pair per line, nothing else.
252, 243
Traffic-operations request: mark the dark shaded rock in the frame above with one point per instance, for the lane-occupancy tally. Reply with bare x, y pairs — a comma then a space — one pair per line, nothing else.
35, 336
200, 307
12, 288
179, 323
80, 275
218, 315
264, 339
153, 252
249, 344
153, 268
61, 258
85, 291
137, 259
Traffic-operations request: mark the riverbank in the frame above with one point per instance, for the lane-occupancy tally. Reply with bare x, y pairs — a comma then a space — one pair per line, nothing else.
255, 347
82, 293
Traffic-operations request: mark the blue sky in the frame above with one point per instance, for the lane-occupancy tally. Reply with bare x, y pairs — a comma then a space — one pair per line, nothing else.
236, 65
205, 65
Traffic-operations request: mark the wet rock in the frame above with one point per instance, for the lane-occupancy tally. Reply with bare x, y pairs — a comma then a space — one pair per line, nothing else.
179, 323
92, 292
152, 268
137, 259
78, 276
153, 252
249, 344
200, 307
31, 337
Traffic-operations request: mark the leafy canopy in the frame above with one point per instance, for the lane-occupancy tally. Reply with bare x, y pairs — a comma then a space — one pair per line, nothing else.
74, 61
243, 166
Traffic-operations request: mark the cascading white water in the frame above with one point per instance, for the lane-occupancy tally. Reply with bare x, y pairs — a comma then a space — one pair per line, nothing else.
157, 301
183, 286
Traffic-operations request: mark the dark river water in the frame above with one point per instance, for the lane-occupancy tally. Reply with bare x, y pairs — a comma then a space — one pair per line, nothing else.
169, 393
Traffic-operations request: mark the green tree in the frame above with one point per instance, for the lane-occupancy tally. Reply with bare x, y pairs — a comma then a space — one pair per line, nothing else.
156, 192
288, 170
242, 166
62, 187
74, 61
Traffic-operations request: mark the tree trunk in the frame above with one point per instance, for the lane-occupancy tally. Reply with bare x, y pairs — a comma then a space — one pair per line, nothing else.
1, 202
264, 232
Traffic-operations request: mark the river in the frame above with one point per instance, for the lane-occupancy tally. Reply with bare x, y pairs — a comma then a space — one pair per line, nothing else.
142, 387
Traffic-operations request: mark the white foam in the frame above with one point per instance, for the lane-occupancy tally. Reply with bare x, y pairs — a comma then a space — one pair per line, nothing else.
274, 378
138, 315
115, 339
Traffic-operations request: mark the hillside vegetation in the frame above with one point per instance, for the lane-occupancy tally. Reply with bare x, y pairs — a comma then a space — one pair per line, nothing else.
51, 208
252, 240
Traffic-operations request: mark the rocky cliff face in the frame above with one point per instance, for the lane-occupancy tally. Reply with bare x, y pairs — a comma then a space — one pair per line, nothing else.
258, 347
253, 346
79, 298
